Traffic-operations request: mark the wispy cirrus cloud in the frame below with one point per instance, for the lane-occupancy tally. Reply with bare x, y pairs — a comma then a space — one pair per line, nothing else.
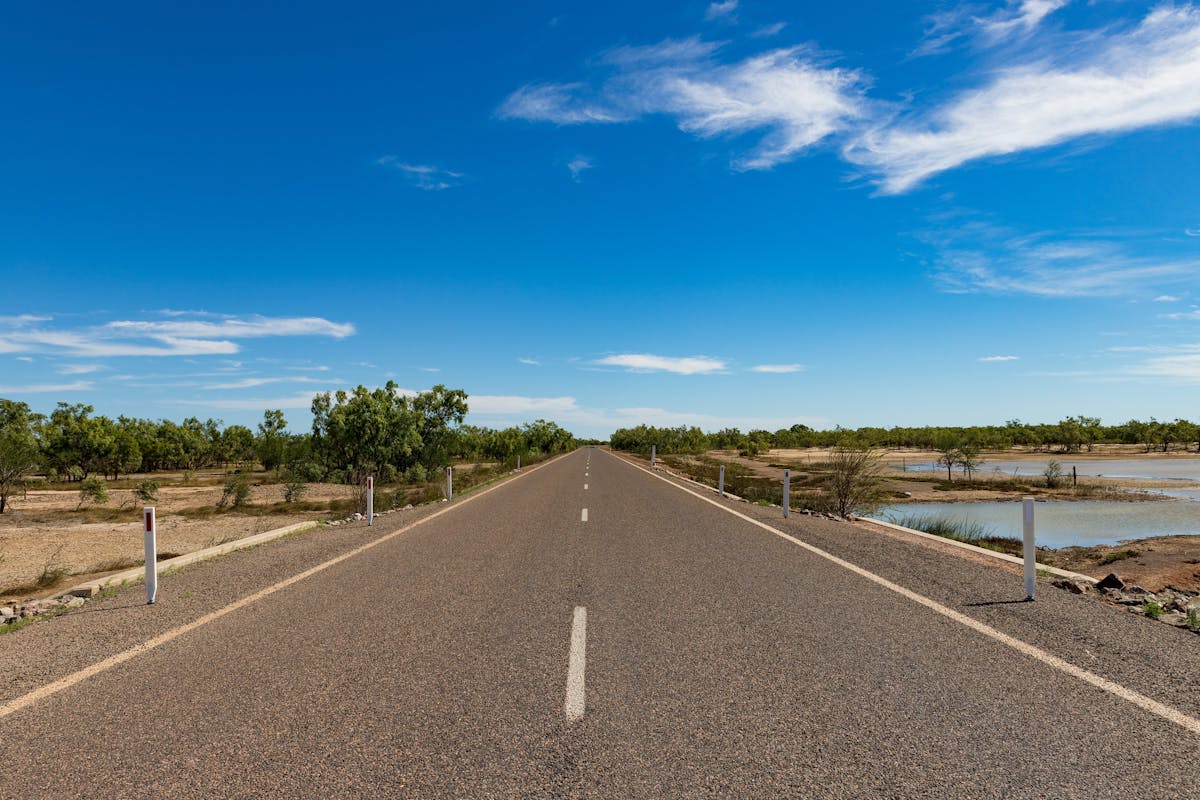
778, 369
1045, 87
47, 388
989, 359
793, 96
577, 166
974, 256
646, 362
169, 337
532, 362
1119, 82
426, 177
726, 9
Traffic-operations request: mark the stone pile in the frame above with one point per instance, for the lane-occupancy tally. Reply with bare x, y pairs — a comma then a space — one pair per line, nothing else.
31, 608
1172, 606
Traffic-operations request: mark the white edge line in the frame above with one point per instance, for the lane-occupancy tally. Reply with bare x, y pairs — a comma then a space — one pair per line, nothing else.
1160, 710
68, 681
574, 704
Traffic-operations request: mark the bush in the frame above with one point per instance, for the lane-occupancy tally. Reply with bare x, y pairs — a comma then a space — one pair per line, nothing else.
93, 490
236, 492
389, 474
415, 474
293, 489
146, 491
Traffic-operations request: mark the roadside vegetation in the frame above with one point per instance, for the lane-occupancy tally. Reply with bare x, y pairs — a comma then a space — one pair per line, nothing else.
398, 438
960, 530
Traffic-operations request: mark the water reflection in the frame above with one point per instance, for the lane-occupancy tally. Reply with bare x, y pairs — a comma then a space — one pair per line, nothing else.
1064, 524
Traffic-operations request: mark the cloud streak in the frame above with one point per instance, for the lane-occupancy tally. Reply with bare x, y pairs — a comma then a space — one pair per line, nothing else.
646, 362
425, 177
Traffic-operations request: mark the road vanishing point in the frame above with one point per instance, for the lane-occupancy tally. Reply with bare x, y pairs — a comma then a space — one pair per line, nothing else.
592, 629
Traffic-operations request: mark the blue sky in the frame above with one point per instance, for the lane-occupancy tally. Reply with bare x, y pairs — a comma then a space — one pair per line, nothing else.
734, 213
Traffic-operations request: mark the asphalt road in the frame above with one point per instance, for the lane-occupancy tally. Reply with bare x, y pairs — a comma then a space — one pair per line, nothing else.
662, 648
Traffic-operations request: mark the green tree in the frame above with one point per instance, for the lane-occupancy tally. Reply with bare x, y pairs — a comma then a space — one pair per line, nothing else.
18, 447
271, 441
853, 482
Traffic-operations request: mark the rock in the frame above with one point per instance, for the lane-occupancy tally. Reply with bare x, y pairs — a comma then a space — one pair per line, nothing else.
1173, 618
408, 507
1179, 604
1111, 581
71, 601
1074, 587
88, 590
7, 613
358, 516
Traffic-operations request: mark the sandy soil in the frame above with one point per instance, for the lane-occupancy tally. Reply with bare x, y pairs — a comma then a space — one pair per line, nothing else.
45, 532
1163, 562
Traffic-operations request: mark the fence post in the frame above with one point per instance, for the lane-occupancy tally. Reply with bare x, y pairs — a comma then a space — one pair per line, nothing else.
449, 483
1030, 548
787, 492
721, 482
370, 499
151, 541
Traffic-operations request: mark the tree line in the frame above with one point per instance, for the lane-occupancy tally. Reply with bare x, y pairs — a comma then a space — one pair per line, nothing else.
382, 432
1070, 435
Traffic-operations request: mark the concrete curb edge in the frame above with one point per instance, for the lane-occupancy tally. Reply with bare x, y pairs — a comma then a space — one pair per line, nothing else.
138, 573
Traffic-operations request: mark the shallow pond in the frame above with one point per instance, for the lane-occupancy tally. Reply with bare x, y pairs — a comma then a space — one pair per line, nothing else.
1183, 469
1064, 524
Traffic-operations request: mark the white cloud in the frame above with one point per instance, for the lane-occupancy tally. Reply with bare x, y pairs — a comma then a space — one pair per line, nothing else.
235, 328
1139, 78
973, 257
789, 94
778, 368
1185, 366
20, 320
249, 383
1166, 298
767, 31
492, 404
79, 369
424, 176
43, 388
577, 165
296, 401
1000, 358
1191, 232
1193, 314
1019, 17
533, 362
645, 362
720, 9
174, 337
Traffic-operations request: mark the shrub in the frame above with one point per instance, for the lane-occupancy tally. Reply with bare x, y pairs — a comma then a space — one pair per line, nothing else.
146, 491
415, 474
236, 492
93, 490
293, 488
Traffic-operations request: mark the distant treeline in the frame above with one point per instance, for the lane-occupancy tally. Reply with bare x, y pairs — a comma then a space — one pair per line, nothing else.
362, 432
1070, 435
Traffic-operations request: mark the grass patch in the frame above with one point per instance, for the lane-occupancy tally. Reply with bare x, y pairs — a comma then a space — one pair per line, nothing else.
960, 530
1119, 555
1153, 609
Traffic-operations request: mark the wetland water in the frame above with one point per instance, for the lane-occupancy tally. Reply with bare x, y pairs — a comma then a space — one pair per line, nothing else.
1067, 523
1082, 522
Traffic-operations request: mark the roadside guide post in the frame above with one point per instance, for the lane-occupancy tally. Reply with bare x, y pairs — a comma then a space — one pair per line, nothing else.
449, 483
787, 492
721, 482
151, 539
518, 461
1030, 550
653, 455
370, 499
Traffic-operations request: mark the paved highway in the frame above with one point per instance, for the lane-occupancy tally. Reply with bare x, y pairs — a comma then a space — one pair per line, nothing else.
590, 629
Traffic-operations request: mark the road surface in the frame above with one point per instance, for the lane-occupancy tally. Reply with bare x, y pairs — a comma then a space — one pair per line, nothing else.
590, 629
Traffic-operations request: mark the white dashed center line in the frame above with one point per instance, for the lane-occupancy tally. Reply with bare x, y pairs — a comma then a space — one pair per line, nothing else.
584, 515
573, 706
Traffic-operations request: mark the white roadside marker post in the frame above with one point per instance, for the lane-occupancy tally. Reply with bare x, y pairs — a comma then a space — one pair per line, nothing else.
653, 455
721, 482
1030, 548
370, 499
787, 492
449, 483
518, 461
151, 540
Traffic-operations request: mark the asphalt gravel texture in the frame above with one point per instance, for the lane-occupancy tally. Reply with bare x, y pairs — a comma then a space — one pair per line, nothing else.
722, 661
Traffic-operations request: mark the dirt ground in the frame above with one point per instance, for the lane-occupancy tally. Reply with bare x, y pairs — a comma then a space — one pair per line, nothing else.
45, 534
